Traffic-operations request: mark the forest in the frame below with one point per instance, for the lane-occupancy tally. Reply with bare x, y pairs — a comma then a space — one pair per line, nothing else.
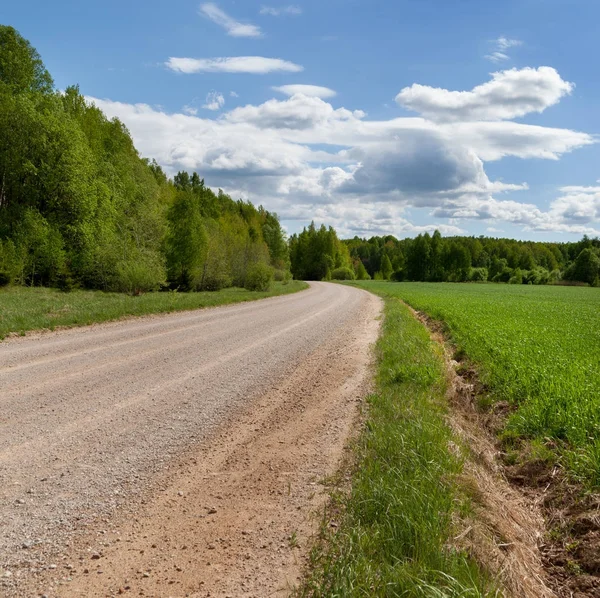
79, 207
318, 254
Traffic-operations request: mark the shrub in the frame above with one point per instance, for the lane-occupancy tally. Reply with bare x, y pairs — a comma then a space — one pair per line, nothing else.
517, 277
343, 273
259, 277
281, 275
503, 276
536, 276
398, 276
478, 274
139, 274
5, 278
361, 271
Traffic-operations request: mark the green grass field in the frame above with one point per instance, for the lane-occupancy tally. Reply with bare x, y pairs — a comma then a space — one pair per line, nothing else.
397, 525
23, 309
537, 347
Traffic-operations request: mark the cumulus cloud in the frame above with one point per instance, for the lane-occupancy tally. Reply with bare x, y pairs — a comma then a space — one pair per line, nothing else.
299, 112
214, 101
500, 46
257, 65
306, 159
312, 91
510, 94
232, 27
496, 140
278, 11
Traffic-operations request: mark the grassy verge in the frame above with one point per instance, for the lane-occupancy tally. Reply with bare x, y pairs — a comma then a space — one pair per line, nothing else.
536, 348
397, 524
23, 309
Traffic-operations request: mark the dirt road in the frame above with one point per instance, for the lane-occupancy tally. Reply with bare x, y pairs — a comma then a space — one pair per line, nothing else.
179, 455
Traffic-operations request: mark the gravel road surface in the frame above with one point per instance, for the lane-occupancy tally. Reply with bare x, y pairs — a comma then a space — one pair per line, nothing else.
94, 421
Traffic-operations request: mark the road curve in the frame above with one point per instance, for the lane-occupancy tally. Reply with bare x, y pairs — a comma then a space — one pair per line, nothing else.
89, 417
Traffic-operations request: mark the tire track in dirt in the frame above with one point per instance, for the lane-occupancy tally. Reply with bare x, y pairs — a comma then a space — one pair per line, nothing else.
188, 465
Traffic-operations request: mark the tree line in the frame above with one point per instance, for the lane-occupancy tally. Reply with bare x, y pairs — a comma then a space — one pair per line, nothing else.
317, 254
80, 207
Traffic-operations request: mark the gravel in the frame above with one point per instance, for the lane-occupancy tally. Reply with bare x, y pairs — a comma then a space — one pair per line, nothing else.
90, 418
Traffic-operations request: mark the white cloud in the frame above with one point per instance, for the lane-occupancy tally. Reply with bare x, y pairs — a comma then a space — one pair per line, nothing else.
304, 158
233, 94
190, 110
510, 94
299, 112
313, 91
496, 140
214, 101
257, 65
277, 11
501, 45
232, 27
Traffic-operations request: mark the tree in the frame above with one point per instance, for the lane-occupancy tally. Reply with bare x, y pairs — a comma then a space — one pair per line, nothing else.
386, 267
21, 68
419, 258
361, 271
586, 267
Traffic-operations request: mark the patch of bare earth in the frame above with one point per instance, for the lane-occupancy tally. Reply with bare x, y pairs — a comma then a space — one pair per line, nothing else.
236, 515
532, 527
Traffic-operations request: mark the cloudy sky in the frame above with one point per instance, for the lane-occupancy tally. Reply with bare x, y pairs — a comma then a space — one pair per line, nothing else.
374, 116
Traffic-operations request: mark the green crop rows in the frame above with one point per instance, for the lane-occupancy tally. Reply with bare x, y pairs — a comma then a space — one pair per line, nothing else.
537, 348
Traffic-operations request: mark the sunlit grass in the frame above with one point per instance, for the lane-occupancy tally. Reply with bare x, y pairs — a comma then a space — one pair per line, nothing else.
397, 524
537, 347
23, 309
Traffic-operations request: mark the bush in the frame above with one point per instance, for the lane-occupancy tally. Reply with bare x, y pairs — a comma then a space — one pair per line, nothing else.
259, 277
282, 275
5, 278
478, 274
517, 277
139, 274
398, 276
361, 272
343, 273
536, 276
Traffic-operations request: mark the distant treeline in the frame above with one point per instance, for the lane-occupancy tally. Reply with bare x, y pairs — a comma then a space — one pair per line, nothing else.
318, 254
80, 207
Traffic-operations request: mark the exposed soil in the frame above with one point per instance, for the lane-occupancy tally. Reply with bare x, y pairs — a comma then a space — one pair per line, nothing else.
535, 529
181, 455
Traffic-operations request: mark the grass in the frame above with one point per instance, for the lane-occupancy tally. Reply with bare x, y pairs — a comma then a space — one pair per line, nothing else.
395, 535
536, 347
23, 308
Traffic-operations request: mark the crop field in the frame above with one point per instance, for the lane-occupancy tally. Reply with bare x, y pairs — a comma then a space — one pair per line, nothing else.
536, 347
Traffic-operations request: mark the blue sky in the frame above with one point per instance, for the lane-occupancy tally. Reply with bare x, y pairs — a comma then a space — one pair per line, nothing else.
347, 111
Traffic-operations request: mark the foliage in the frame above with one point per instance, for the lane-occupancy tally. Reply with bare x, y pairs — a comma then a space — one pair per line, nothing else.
315, 253
431, 258
360, 271
537, 348
259, 277
343, 273
395, 536
80, 207
478, 275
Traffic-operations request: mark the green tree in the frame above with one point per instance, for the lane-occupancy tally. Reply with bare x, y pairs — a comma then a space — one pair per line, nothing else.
386, 267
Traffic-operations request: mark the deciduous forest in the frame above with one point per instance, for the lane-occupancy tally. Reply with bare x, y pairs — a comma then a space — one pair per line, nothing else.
80, 207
